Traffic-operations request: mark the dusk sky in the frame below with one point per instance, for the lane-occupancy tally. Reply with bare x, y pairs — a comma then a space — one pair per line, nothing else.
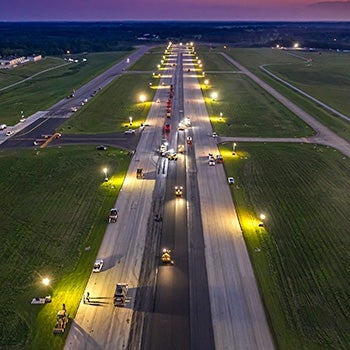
235, 10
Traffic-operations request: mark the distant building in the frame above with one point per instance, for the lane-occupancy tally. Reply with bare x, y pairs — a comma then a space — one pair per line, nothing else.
13, 61
34, 58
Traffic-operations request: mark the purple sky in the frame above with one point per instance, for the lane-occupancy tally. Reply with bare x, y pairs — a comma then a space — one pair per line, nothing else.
303, 10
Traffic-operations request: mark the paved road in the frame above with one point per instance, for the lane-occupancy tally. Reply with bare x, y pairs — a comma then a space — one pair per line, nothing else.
181, 300
238, 316
106, 326
127, 246
171, 299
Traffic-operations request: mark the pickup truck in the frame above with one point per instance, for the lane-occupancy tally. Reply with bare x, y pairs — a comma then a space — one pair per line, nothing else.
120, 294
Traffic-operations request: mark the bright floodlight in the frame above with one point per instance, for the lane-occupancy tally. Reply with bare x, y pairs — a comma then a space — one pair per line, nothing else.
130, 120
214, 96
142, 98
46, 281
206, 81
262, 216
234, 145
105, 170
296, 45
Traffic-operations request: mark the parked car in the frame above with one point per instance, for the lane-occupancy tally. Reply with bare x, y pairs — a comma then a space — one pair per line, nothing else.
3, 126
101, 148
130, 132
219, 158
230, 180
98, 265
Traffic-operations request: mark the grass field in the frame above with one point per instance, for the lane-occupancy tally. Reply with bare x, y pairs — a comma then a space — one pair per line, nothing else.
327, 78
149, 61
46, 89
248, 110
214, 61
120, 100
10, 76
303, 263
59, 208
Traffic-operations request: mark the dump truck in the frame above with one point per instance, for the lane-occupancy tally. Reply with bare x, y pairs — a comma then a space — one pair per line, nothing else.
181, 148
166, 257
139, 173
178, 191
61, 321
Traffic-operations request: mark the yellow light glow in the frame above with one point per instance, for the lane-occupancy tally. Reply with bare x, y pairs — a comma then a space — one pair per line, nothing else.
217, 119
46, 281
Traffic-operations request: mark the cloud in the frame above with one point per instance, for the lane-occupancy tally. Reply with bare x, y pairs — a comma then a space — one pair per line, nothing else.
335, 10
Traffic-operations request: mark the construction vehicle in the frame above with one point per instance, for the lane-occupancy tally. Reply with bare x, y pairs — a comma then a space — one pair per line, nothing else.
166, 127
178, 191
113, 215
45, 300
181, 148
139, 173
120, 294
166, 256
61, 321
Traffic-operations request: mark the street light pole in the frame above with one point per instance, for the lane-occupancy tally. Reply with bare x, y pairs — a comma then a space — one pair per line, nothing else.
106, 174
234, 148
262, 218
